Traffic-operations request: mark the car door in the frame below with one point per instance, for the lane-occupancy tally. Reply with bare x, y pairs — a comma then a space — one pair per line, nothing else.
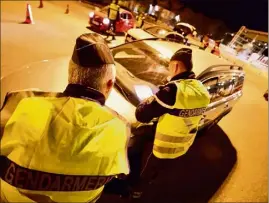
224, 83
125, 22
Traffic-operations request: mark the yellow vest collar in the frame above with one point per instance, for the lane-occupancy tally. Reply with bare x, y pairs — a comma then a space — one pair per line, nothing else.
79, 91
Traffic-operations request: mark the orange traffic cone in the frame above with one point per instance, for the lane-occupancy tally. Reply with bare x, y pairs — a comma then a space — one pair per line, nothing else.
67, 9
40, 4
29, 16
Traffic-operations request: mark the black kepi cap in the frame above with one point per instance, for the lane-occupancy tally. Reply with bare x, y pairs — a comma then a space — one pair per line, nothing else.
185, 56
92, 51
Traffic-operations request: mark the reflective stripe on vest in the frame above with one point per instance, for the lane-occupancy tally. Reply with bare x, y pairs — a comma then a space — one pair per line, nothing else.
172, 139
113, 11
28, 179
165, 150
176, 130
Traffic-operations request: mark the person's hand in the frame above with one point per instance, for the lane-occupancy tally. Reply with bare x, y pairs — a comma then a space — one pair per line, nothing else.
137, 124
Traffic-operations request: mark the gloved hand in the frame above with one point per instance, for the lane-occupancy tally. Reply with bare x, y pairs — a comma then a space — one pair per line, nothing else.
137, 125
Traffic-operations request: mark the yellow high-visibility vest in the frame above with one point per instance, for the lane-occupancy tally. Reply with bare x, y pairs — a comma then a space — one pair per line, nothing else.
59, 148
176, 131
113, 11
140, 21
122, 2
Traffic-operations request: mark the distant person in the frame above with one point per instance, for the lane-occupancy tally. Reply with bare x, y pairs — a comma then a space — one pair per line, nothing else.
140, 20
205, 41
113, 15
215, 49
64, 147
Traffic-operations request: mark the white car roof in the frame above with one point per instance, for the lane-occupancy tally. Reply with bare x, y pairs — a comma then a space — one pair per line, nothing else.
201, 59
142, 34
139, 33
187, 25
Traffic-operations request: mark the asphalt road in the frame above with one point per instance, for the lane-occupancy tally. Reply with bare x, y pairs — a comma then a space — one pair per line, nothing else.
246, 128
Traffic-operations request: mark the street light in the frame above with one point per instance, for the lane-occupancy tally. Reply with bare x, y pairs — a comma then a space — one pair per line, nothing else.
177, 18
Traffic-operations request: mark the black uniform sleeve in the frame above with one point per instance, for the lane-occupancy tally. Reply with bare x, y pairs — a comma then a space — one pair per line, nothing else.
157, 105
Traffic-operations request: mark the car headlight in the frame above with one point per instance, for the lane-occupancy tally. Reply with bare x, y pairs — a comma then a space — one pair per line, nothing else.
143, 91
162, 32
106, 21
91, 14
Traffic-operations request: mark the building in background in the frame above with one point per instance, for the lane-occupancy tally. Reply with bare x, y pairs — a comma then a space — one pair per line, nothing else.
248, 45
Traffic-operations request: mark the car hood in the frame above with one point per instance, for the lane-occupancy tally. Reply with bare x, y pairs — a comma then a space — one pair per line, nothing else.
139, 34
51, 76
100, 14
201, 59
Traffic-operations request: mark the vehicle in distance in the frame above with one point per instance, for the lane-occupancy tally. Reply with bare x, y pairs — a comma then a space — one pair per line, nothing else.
154, 32
99, 20
189, 32
141, 67
185, 29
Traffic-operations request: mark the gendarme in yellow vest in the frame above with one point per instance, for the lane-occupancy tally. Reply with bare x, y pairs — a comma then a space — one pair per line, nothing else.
59, 148
113, 11
140, 21
176, 131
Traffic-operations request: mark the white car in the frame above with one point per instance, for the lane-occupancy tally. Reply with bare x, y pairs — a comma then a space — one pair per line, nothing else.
154, 32
189, 32
141, 67
185, 29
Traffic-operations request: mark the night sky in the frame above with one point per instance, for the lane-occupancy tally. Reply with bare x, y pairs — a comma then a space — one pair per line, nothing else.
235, 13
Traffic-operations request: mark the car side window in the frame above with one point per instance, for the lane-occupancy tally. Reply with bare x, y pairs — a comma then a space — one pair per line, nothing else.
239, 80
212, 87
175, 38
123, 16
224, 86
179, 39
170, 37
128, 16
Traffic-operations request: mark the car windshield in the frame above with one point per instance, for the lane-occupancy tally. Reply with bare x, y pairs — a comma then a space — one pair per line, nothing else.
143, 62
157, 31
104, 10
183, 29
